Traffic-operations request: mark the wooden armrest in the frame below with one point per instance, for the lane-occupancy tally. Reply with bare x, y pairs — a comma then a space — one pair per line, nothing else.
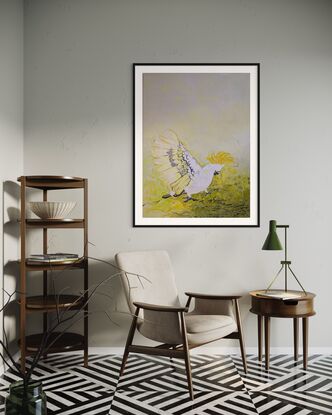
213, 296
166, 308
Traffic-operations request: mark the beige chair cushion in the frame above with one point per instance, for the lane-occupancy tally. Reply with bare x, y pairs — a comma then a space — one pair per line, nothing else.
161, 327
196, 323
215, 307
210, 336
164, 327
158, 283
203, 329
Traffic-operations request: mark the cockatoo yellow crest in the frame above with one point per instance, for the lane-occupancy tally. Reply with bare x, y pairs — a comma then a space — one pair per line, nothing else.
220, 158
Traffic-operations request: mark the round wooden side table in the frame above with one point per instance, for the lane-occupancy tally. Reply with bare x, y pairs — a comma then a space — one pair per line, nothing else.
267, 307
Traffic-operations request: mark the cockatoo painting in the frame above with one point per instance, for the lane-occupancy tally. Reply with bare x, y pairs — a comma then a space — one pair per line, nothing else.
195, 145
181, 171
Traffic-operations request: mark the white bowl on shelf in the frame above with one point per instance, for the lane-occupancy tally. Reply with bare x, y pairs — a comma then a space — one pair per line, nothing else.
51, 210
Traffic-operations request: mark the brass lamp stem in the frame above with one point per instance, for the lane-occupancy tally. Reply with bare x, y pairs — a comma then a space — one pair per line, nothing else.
285, 262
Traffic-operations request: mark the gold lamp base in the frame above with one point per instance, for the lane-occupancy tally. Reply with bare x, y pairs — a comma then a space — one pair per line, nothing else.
285, 265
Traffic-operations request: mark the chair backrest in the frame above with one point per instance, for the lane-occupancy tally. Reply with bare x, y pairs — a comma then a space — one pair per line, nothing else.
156, 282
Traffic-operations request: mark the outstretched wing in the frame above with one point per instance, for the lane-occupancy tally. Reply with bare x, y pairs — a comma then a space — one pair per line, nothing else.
174, 162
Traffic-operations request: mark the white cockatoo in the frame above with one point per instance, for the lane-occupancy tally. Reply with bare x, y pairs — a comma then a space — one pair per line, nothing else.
181, 170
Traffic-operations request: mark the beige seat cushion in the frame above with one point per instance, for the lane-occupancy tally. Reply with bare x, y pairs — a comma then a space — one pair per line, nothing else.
196, 323
203, 328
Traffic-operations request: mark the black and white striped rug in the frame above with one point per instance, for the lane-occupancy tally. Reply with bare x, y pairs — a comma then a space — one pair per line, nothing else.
156, 385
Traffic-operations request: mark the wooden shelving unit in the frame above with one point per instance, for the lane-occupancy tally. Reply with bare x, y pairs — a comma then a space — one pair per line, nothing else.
47, 303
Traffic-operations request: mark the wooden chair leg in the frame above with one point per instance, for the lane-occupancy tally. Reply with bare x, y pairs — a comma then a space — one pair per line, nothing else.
239, 328
188, 372
129, 341
187, 357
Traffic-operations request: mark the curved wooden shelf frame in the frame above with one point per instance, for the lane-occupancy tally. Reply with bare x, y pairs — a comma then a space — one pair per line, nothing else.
49, 266
53, 182
66, 343
55, 223
51, 303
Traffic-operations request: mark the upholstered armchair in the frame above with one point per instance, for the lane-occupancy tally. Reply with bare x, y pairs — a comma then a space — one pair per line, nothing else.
158, 315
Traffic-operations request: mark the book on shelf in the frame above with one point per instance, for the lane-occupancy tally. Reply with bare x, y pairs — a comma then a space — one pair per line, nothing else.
53, 258
280, 295
52, 261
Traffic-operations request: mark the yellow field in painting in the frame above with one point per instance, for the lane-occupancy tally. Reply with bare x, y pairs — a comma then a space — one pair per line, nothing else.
228, 197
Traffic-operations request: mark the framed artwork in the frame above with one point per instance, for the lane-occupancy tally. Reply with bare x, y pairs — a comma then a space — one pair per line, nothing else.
196, 144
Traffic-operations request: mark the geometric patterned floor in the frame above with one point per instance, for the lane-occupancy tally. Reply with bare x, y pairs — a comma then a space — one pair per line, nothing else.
156, 385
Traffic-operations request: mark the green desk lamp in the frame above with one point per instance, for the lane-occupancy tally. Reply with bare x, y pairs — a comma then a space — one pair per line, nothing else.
272, 243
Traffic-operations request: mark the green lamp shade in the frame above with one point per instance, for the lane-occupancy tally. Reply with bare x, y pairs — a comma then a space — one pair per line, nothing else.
272, 242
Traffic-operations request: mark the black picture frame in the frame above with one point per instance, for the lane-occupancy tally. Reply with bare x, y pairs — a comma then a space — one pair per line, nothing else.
138, 223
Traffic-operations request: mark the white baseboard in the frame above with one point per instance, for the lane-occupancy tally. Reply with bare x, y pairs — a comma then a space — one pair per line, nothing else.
199, 350
220, 350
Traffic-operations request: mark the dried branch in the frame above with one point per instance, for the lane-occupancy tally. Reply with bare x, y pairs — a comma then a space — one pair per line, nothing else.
64, 321
9, 299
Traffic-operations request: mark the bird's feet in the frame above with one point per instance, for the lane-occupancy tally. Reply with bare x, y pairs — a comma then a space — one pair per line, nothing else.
172, 194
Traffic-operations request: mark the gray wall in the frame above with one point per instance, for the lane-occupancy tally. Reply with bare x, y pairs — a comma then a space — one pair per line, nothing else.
11, 145
78, 121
